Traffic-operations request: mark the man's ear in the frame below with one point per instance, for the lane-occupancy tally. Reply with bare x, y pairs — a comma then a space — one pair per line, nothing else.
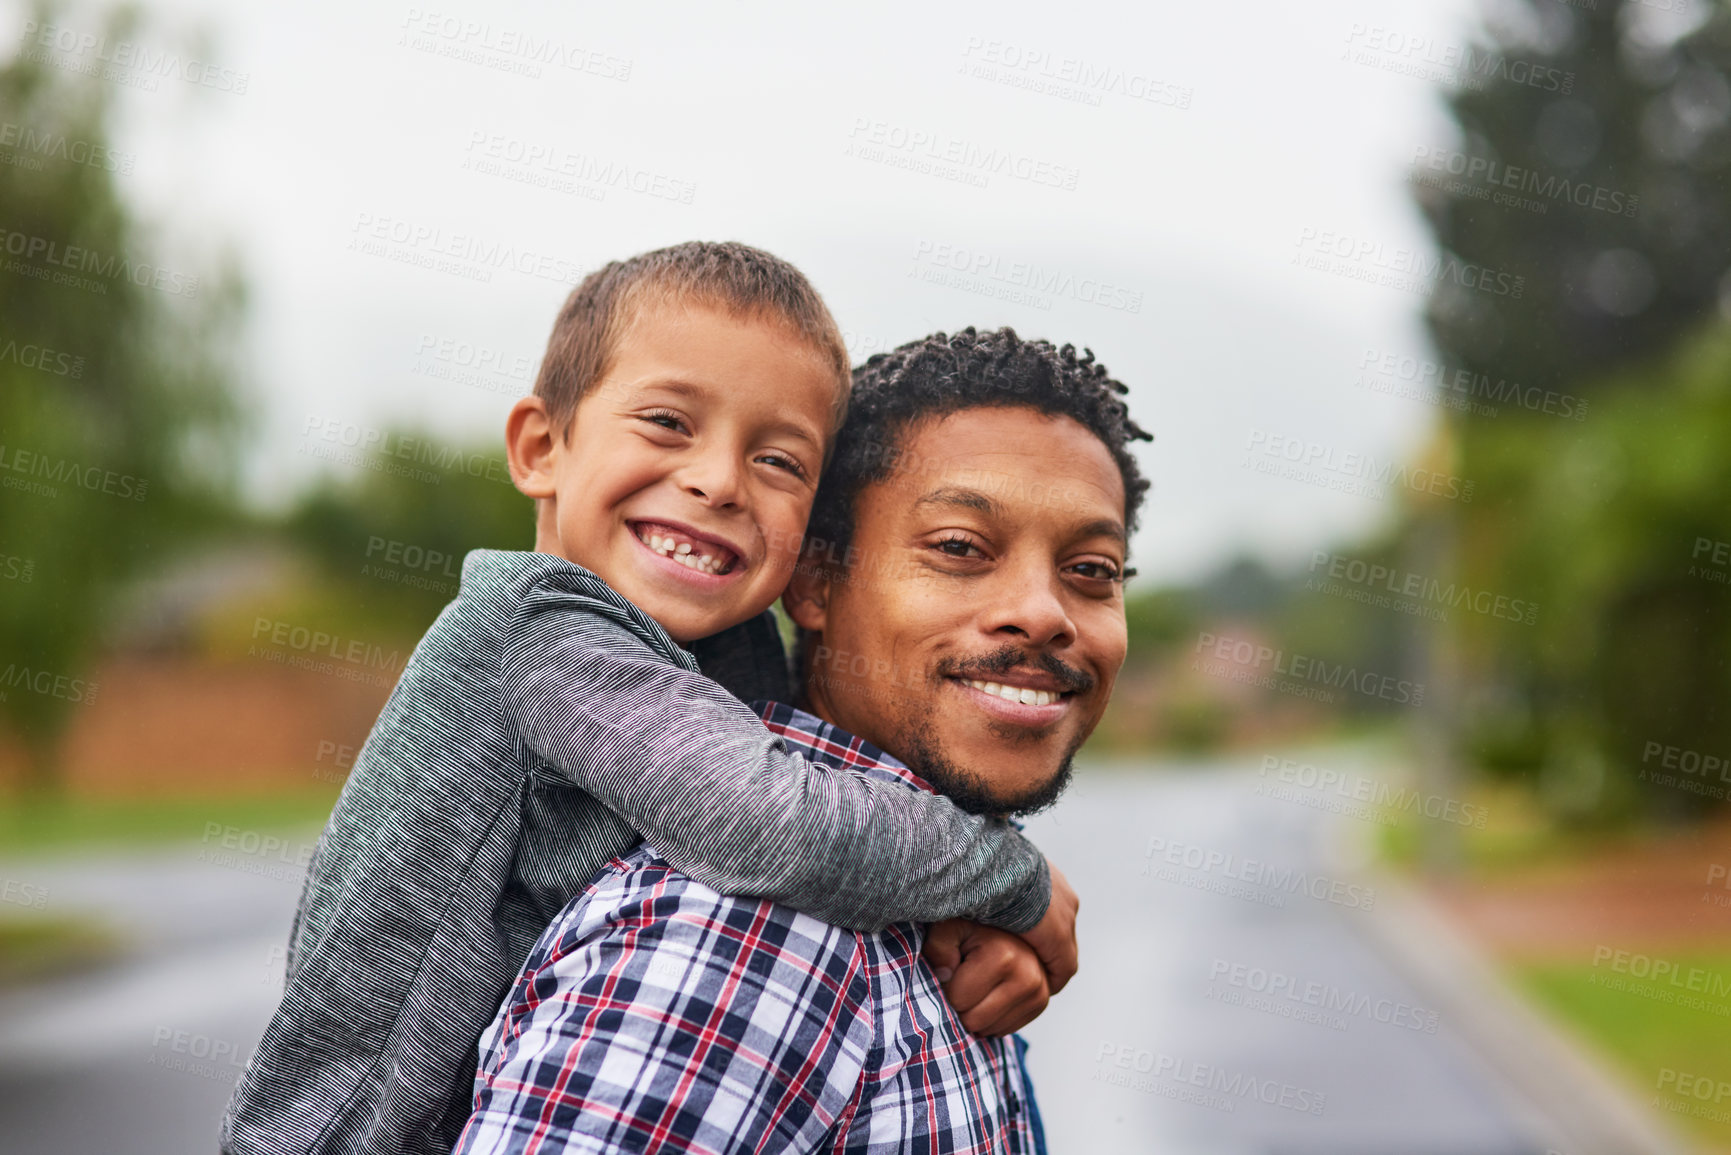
806, 598
531, 447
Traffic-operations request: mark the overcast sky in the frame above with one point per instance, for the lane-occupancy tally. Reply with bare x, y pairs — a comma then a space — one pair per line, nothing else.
1156, 165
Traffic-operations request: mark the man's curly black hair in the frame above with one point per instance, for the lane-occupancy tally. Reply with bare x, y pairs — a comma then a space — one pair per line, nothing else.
944, 374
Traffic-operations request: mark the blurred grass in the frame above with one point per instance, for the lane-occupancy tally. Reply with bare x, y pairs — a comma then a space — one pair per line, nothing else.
95, 823
1644, 1035
1518, 835
37, 946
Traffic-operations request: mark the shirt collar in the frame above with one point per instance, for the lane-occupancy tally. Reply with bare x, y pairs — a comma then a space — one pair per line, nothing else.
822, 742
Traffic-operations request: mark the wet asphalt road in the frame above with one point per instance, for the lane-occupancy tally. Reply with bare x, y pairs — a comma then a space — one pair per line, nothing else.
139, 1057
1231, 1002
1223, 1007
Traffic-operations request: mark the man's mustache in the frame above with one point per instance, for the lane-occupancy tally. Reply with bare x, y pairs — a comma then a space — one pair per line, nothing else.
1010, 657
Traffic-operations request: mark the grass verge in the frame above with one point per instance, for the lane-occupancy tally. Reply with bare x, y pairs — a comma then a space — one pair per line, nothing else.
91, 823
1671, 1041
39, 947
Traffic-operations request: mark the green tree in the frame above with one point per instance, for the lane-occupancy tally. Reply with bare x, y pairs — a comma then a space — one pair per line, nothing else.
1610, 126
1613, 134
1620, 531
118, 418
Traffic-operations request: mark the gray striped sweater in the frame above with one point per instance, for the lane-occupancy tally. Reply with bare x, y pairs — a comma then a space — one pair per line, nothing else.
543, 726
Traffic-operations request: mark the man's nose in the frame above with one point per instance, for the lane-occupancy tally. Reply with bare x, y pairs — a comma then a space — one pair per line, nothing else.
1027, 602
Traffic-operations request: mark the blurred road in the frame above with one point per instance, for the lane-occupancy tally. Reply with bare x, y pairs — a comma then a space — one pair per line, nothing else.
1206, 1019
1223, 1008
140, 1058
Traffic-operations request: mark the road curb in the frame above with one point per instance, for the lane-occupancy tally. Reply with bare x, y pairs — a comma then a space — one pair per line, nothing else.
1586, 1107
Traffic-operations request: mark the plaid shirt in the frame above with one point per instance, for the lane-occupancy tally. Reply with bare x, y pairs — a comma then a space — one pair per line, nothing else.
656, 1014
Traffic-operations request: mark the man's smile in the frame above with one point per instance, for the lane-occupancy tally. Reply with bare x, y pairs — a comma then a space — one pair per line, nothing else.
1034, 697
1013, 693
1018, 705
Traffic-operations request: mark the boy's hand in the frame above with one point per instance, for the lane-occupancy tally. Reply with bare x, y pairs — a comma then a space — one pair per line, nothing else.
1054, 937
994, 979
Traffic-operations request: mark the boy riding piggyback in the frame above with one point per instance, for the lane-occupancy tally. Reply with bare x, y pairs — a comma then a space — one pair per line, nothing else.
554, 715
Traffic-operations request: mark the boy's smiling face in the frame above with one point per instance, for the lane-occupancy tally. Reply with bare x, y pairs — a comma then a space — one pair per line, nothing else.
688, 471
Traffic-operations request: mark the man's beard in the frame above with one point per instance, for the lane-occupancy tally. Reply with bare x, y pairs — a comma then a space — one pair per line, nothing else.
918, 740
968, 790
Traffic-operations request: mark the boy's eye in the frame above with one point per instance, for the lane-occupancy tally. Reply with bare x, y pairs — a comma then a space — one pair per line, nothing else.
665, 420
782, 461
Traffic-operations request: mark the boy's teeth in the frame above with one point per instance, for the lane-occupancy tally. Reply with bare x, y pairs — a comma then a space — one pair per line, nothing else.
692, 561
1015, 693
683, 552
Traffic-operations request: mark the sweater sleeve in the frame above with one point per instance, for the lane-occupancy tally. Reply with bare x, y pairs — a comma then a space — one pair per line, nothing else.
725, 801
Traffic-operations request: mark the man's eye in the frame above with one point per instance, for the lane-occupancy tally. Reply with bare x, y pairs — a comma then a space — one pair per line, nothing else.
1097, 571
959, 547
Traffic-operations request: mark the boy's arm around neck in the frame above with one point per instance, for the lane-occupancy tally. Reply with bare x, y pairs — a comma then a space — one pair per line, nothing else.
726, 802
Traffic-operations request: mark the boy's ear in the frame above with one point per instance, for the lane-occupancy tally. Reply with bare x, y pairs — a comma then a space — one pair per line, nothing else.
806, 598
531, 447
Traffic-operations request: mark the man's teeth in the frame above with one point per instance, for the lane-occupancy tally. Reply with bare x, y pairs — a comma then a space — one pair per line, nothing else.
680, 551
1016, 693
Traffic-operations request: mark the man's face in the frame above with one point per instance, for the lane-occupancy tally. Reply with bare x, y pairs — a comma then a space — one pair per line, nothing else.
976, 625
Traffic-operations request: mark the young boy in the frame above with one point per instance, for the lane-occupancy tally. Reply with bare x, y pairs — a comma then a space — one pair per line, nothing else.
550, 719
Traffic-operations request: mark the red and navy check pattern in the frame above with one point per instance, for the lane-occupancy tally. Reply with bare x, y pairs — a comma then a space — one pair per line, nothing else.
656, 1014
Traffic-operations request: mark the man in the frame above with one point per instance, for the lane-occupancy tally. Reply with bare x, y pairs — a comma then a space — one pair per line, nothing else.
962, 619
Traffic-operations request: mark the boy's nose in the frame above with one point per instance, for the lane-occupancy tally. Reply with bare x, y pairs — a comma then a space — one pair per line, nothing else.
712, 482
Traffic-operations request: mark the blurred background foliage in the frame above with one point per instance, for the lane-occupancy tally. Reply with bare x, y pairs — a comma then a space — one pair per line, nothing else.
122, 429
391, 547
1607, 523
117, 396
129, 557
1595, 521
1598, 520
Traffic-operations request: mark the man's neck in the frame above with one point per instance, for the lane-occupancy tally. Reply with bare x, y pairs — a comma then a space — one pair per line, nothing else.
815, 700
815, 706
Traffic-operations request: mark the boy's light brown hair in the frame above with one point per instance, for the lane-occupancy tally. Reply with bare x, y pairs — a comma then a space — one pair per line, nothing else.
736, 278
